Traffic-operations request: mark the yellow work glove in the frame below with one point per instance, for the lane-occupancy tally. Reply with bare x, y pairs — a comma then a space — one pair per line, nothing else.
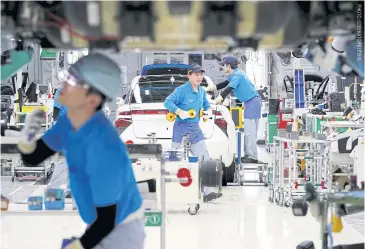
219, 99
76, 244
207, 115
210, 88
182, 114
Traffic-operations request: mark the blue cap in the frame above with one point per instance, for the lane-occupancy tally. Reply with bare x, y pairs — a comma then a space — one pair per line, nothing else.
195, 68
229, 60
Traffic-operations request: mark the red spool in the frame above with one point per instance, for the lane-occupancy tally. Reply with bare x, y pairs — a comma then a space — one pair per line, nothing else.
184, 173
322, 184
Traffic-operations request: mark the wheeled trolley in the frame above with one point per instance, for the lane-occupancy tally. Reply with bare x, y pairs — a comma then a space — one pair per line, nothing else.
186, 175
258, 170
288, 176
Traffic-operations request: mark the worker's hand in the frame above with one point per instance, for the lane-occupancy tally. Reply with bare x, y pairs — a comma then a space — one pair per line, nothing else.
33, 124
210, 88
74, 244
207, 115
218, 100
182, 114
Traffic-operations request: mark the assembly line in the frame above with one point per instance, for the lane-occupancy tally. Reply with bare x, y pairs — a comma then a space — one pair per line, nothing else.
182, 125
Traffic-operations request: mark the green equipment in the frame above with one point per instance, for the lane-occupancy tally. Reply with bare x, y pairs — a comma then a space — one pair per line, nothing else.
18, 59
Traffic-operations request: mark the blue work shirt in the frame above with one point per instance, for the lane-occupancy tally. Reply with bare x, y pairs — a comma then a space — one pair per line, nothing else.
62, 108
100, 170
185, 98
245, 91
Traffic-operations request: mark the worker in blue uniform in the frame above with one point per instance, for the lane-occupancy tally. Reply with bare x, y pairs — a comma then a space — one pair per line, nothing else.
191, 96
100, 171
245, 91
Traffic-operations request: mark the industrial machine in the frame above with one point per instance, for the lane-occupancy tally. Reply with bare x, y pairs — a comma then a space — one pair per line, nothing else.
19, 171
89, 23
343, 203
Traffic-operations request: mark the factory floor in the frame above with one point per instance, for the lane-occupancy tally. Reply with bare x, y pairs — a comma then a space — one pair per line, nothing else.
243, 218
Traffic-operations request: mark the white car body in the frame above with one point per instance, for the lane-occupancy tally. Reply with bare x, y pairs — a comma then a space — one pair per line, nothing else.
138, 119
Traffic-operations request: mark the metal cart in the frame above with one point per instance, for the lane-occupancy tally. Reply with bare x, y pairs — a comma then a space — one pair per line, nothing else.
182, 164
342, 162
259, 169
286, 183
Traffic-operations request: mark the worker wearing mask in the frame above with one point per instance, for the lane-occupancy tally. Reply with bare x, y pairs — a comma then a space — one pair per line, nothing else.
245, 91
100, 172
191, 96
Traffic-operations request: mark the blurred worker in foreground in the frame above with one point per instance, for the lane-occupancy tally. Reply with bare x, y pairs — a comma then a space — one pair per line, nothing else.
101, 175
191, 96
245, 91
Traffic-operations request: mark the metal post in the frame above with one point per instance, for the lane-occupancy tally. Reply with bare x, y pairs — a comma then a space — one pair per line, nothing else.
239, 155
163, 205
324, 225
274, 165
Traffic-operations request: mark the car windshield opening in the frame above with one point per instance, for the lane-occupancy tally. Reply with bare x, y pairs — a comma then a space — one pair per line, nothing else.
153, 92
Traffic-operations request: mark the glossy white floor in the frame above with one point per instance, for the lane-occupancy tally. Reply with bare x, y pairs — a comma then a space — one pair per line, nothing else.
243, 218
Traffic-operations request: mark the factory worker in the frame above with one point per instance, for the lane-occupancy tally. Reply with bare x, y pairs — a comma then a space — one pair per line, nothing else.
100, 171
191, 96
245, 91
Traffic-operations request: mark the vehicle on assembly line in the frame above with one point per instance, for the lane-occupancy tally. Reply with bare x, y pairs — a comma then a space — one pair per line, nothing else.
142, 113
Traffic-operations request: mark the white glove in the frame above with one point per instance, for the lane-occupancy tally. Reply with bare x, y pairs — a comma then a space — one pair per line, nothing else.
207, 115
211, 88
33, 124
76, 244
219, 99
182, 114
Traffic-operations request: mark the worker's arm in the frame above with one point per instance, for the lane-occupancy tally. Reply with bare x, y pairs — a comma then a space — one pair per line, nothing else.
103, 225
106, 185
41, 153
45, 147
233, 83
212, 87
172, 100
222, 85
226, 92
34, 151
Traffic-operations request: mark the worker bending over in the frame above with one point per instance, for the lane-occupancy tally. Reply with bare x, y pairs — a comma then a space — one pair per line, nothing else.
245, 91
101, 175
191, 96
